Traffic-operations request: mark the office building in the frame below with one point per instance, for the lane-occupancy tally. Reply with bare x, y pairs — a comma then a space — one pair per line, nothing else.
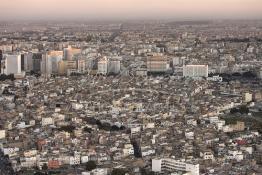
46, 66
70, 52
195, 71
1, 58
178, 61
23, 62
62, 67
55, 57
27, 62
81, 66
113, 66
37, 58
92, 64
66, 67
11, 64
171, 166
102, 66
74, 66
157, 64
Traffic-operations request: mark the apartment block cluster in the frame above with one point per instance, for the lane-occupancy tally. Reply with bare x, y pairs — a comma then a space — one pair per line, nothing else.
73, 61
56, 63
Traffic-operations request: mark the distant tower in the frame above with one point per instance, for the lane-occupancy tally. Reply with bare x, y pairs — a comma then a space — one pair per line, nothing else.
1, 58
37, 58
68, 54
23, 67
46, 66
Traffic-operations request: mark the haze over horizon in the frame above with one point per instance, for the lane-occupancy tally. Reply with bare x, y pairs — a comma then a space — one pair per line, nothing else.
129, 9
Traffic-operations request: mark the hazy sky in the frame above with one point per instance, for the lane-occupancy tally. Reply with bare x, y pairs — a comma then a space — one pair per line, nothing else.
130, 9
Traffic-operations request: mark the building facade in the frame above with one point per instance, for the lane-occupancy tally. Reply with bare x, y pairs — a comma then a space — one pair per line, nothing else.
12, 64
102, 67
113, 66
171, 165
157, 64
195, 71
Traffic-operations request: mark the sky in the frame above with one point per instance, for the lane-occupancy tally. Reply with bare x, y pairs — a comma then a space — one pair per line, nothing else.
129, 9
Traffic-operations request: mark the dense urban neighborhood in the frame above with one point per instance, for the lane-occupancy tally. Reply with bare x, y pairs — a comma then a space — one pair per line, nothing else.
133, 98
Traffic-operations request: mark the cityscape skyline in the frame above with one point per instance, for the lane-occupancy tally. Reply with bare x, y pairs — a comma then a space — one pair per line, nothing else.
130, 9
131, 87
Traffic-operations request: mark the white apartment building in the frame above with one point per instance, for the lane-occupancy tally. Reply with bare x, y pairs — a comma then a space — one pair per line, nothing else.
106, 66
102, 66
47, 121
12, 64
171, 165
195, 71
2, 134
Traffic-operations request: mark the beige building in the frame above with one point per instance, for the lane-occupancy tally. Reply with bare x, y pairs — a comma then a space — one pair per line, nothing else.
248, 97
239, 126
70, 52
62, 67
66, 67
157, 64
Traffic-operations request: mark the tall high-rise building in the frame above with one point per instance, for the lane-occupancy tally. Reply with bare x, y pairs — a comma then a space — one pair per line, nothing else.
46, 66
195, 71
113, 66
68, 53
37, 58
108, 66
12, 64
102, 66
62, 67
28, 61
1, 58
81, 65
23, 62
55, 57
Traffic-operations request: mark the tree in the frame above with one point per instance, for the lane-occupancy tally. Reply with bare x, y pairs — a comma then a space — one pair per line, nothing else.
234, 110
119, 171
115, 128
90, 165
68, 128
236, 74
249, 74
39, 173
44, 167
146, 172
4, 77
243, 110
105, 126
